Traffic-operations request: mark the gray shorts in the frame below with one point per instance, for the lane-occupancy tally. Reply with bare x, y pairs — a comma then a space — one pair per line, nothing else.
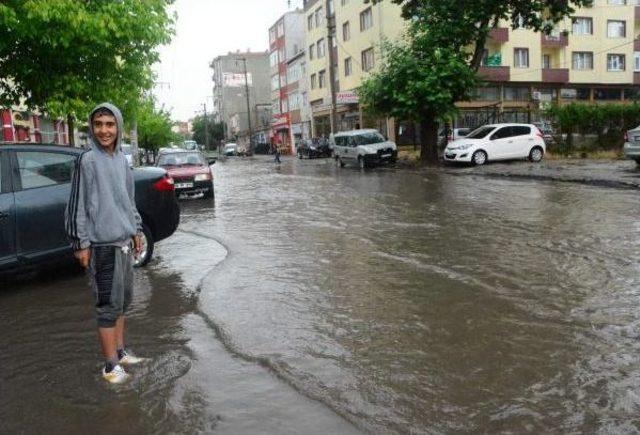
111, 273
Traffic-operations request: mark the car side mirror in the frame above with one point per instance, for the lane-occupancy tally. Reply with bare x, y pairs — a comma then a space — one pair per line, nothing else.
211, 160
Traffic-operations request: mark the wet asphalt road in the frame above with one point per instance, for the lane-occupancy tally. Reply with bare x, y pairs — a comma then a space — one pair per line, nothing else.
311, 299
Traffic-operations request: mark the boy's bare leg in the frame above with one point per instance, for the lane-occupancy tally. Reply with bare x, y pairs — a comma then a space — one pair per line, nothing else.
120, 333
108, 342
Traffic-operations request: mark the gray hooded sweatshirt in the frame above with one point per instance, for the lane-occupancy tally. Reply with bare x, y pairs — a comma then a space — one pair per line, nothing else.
102, 208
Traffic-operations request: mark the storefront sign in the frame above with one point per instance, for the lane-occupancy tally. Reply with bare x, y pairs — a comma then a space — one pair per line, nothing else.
347, 97
280, 121
235, 80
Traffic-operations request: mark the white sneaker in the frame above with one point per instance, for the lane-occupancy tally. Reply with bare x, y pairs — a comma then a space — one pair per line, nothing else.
130, 359
115, 376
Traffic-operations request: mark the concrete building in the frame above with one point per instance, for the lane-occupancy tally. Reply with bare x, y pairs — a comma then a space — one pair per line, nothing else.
345, 34
593, 58
235, 76
24, 126
286, 52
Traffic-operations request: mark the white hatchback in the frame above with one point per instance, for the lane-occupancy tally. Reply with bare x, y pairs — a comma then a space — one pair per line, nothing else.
497, 142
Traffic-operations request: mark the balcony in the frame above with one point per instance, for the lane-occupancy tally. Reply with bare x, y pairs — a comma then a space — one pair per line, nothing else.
555, 75
494, 73
499, 35
636, 45
636, 78
554, 41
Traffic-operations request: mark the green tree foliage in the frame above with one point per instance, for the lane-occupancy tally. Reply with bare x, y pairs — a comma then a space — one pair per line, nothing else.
154, 126
607, 122
215, 130
64, 56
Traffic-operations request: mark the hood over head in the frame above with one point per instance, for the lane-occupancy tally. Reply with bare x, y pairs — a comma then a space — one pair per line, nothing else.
93, 142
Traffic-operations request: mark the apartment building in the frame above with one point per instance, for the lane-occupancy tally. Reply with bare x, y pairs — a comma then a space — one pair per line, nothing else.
594, 57
288, 90
20, 125
356, 31
241, 95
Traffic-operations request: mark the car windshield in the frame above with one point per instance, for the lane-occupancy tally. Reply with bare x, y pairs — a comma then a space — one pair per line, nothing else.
368, 138
480, 132
181, 159
230, 146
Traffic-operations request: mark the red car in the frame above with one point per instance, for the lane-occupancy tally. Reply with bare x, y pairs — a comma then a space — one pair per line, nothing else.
190, 171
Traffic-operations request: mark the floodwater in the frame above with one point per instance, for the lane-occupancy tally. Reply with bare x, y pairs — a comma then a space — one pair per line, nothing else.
314, 299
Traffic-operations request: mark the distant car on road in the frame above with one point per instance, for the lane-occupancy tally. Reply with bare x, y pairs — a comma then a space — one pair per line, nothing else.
632, 144
230, 149
312, 148
190, 171
365, 148
497, 142
35, 184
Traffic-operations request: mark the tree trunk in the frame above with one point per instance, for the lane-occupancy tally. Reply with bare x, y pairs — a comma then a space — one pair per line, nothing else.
429, 140
71, 127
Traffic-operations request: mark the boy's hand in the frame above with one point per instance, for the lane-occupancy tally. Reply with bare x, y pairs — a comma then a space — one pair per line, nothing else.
137, 244
83, 256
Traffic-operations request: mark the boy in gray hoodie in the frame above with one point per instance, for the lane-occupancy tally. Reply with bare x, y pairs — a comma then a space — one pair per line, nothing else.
104, 228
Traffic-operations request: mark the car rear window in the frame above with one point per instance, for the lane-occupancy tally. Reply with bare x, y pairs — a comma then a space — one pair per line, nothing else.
520, 130
181, 159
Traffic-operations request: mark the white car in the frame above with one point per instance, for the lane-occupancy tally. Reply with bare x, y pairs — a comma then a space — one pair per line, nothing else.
632, 144
497, 142
365, 148
230, 149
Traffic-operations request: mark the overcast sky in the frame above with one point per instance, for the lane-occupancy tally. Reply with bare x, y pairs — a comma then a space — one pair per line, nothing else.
206, 29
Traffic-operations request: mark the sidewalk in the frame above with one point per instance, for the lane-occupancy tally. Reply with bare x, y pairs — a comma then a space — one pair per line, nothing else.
608, 173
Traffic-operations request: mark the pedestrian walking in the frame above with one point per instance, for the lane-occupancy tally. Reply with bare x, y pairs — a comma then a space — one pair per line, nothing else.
104, 229
277, 153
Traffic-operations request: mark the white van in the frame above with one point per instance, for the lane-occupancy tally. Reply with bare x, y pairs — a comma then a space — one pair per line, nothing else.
365, 148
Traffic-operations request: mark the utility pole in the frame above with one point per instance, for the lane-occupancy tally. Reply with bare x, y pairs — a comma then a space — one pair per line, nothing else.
331, 33
246, 90
206, 129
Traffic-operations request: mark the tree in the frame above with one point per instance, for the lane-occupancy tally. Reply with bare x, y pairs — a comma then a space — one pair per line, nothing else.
214, 129
423, 77
64, 56
154, 126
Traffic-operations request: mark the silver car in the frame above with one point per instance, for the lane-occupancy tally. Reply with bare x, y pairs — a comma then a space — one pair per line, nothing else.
632, 144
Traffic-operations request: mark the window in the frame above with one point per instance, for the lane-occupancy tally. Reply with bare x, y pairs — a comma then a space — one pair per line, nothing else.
312, 51
280, 32
273, 59
520, 130
275, 106
275, 82
517, 94
281, 56
295, 101
41, 169
319, 17
321, 79
607, 94
616, 29
294, 73
272, 36
636, 61
310, 19
314, 82
617, 2
321, 48
502, 133
491, 93
582, 60
346, 31
348, 67
546, 61
521, 57
583, 26
368, 60
615, 62
344, 2
366, 19
331, 8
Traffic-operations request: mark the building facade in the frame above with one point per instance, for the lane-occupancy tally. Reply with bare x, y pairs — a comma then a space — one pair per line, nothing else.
343, 39
286, 47
242, 80
25, 126
594, 57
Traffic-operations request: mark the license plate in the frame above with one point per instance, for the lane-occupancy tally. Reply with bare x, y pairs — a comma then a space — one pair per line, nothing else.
183, 185
385, 156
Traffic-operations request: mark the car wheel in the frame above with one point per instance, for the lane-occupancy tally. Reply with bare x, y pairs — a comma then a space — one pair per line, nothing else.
535, 155
479, 158
208, 194
361, 163
147, 248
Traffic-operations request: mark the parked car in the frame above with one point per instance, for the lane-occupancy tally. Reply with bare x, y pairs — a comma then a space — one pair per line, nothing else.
497, 142
632, 144
366, 148
313, 148
190, 171
452, 134
35, 184
230, 149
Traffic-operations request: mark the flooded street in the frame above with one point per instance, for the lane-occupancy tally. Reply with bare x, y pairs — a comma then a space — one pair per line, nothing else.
314, 299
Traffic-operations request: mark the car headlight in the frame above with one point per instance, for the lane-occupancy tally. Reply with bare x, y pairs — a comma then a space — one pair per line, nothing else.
202, 177
465, 146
